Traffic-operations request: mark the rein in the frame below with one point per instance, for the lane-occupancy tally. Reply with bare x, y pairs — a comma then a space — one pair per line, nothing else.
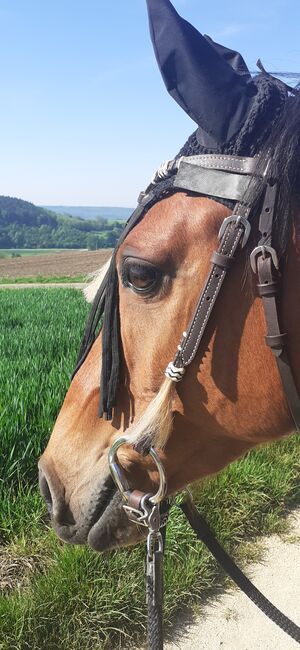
224, 177
152, 512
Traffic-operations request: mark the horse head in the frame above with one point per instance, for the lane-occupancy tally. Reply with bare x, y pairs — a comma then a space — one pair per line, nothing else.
231, 397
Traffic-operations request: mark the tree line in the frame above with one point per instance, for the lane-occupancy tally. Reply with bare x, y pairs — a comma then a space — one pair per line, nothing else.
25, 225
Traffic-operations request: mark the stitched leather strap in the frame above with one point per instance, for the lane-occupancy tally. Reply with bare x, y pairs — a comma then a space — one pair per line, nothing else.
221, 262
239, 164
211, 182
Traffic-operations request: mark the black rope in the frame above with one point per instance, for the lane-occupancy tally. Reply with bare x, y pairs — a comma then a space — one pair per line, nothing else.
110, 345
154, 592
203, 532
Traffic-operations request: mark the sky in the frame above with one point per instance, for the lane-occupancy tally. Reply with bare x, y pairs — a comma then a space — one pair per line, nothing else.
85, 117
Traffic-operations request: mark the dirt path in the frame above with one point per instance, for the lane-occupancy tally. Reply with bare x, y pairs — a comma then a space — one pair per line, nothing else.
232, 622
44, 285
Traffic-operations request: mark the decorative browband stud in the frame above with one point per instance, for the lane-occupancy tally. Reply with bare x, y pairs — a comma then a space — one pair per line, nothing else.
174, 373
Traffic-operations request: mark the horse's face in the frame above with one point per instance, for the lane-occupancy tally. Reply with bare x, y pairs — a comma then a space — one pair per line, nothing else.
220, 409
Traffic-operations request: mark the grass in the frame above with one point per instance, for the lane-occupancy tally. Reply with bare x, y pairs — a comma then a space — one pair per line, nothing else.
71, 597
59, 279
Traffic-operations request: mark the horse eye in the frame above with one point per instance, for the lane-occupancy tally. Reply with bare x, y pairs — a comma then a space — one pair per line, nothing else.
140, 276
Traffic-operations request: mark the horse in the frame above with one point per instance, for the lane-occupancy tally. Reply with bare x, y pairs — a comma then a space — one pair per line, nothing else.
231, 397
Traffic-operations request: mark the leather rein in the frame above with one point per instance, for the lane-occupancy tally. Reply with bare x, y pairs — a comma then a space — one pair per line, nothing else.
225, 177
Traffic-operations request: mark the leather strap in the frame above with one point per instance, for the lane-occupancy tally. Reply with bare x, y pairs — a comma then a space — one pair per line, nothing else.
191, 341
265, 260
205, 534
239, 164
211, 182
275, 339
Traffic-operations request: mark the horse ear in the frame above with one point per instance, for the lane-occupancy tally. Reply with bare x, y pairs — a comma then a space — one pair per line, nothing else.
231, 56
211, 83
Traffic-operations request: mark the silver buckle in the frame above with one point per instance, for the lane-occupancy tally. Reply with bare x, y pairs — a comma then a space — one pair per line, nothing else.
263, 251
239, 221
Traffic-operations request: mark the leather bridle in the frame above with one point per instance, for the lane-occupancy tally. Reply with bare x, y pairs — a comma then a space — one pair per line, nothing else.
231, 177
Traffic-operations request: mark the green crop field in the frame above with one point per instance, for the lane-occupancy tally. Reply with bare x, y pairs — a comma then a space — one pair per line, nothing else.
55, 596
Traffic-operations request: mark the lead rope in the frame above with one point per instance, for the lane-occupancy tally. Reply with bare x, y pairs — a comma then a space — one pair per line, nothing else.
204, 534
152, 511
155, 580
141, 511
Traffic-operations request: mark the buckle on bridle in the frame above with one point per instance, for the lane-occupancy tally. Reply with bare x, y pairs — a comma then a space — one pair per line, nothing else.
239, 221
263, 251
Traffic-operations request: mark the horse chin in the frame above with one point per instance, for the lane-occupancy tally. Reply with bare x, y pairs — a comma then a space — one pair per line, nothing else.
113, 529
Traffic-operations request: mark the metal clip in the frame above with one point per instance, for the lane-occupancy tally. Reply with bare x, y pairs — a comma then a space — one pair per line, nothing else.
154, 544
154, 519
239, 221
263, 251
140, 516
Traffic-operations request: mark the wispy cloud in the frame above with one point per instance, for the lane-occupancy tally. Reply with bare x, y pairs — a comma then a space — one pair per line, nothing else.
231, 30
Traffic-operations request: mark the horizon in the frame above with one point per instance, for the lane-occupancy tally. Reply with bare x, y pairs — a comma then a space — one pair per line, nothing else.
87, 119
77, 205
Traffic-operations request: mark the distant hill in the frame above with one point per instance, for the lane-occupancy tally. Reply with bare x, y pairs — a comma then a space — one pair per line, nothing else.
25, 225
92, 212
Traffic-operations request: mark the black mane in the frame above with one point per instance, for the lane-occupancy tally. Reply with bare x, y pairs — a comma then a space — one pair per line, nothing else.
283, 149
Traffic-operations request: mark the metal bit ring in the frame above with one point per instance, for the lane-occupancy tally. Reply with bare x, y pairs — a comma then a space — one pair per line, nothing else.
121, 481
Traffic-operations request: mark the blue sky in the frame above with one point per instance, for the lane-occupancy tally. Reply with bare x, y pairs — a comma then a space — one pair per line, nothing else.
85, 118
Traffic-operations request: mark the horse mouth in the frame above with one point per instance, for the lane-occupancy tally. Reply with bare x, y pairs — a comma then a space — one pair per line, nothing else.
108, 490
103, 525
111, 527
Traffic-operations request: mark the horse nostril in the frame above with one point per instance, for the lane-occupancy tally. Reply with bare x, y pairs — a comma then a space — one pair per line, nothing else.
45, 491
52, 491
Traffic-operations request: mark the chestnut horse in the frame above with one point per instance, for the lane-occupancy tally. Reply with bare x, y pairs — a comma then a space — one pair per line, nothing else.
231, 398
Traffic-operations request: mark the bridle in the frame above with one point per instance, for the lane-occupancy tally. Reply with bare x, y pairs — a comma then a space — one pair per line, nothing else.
225, 177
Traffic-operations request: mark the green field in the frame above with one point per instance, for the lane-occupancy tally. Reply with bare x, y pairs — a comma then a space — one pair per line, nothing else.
55, 596
25, 252
60, 279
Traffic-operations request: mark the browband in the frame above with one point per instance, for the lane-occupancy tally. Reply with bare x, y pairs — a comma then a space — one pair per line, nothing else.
217, 175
